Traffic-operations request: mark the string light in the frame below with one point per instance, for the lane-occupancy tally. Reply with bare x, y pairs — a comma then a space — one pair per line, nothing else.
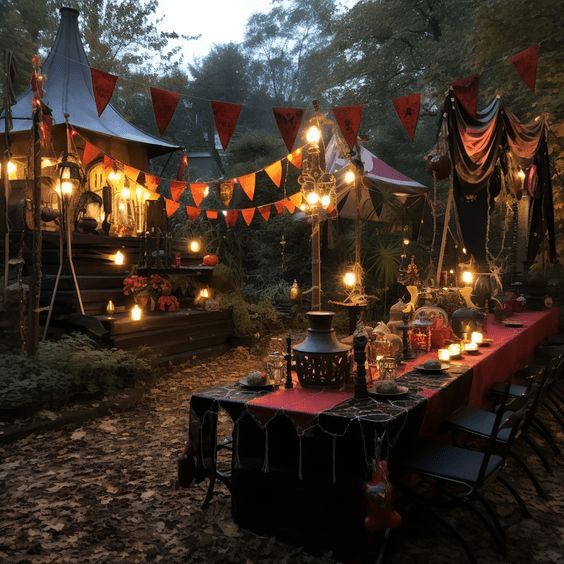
350, 176
312, 198
325, 201
126, 193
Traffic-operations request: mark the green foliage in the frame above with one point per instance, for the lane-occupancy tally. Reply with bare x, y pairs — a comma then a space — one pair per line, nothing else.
72, 366
224, 279
250, 320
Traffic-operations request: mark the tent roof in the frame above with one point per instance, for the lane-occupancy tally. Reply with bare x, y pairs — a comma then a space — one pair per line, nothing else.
68, 90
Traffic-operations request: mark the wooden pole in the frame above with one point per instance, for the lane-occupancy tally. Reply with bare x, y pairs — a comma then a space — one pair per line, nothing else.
35, 288
445, 231
315, 263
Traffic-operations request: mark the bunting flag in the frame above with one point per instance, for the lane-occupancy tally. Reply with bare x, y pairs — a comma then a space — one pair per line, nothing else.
525, 63
231, 217
193, 212
109, 163
348, 119
288, 121
407, 108
265, 212
248, 214
198, 191
152, 182
171, 207
280, 206
103, 85
466, 92
247, 183
274, 171
164, 105
290, 206
296, 199
225, 116
182, 166
177, 188
131, 172
296, 158
211, 214
89, 154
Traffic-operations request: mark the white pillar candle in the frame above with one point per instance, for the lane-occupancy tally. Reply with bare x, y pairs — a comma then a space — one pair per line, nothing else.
444, 355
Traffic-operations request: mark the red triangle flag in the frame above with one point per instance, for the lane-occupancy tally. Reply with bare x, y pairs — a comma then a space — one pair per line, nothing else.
248, 214
466, 92
171, 207
525, 63
192, 212
296, 198
265, 212
131, 172
280, 205
348, 119
164, 104
225, 116
89, 154
407, 108
296, 158
198, 191
290, 206
231, 217
109, 163
288, 121
247, 182
177, 189
182, 166
152, 182
211, 214
274, 171
103, 85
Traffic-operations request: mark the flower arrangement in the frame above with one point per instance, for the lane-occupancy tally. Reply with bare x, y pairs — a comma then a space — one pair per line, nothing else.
153, 290
135, 285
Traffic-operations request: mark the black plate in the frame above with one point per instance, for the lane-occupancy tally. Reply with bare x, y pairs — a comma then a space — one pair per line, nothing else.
257, 387
402, 391
443, 368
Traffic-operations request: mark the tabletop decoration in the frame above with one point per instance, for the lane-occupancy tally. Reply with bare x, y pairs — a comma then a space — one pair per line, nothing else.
443, 355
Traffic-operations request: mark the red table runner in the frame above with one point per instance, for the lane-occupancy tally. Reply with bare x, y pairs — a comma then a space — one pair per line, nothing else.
511, 349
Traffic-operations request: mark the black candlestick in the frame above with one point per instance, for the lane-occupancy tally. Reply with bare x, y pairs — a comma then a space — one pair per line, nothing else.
407, 352
288, 357
360, 341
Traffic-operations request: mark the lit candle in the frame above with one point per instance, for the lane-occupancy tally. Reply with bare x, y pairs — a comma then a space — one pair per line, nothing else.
471, 347
454, 349
135, 313
110, 308
477, 337
119, 258
444, 355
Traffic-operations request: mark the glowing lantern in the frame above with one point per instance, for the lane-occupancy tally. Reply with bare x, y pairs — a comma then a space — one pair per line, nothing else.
313, 134
443, 355
467, 277
294, 291
312, 198
349, 176
349, 279
195, 246
325, 200
119, 258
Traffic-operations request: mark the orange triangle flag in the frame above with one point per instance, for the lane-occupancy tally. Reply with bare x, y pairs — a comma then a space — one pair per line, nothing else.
290, 206
248, 215
265, 212
151, 182
198, 189
296, 158
192, 212
275, 172
247, 182
177, 188
211, 214
171, 207
89, 154
131, 173
109, 163
296, 198
280, 205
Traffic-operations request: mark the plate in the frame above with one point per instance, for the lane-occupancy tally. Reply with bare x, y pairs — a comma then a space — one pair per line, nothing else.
443, 367
514, 323
486, 342
473, 353
256, 387
402, 391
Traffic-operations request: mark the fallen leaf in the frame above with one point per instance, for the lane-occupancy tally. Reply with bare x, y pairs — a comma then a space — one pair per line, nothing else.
78, 435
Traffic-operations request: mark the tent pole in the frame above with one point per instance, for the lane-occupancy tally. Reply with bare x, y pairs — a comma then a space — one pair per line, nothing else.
444, 235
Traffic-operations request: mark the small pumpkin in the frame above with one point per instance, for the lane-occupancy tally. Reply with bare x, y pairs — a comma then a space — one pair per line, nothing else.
211, 260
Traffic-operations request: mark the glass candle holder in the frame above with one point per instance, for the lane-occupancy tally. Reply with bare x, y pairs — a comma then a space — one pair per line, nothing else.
443, 355
455, 349
477, 337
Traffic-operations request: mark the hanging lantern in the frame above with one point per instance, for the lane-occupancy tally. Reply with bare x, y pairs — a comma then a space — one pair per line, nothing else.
70, 174
226, 193
195, 246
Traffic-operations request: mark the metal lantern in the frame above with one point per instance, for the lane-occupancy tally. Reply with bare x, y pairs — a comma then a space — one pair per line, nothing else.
421, 335
321, 360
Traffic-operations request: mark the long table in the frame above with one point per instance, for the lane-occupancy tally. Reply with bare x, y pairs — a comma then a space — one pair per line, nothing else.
301, 457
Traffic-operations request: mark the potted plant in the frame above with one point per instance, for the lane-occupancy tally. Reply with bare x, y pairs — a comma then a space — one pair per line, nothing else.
138, 288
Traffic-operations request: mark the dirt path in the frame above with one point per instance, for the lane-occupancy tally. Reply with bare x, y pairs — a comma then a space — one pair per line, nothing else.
104, 492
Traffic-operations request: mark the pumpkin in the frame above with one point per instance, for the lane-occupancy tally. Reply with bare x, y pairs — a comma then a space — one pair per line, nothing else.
211, 260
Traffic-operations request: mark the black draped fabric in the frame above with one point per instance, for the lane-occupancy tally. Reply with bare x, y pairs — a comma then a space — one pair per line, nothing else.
487, 150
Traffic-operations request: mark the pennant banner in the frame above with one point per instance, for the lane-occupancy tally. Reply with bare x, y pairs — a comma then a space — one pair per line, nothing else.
211, 214
348, 118
131, 172
248, 215
280, 206
103, 85
231, 217
466, 92
192, 212
288, 121
225, 116
89, 154
525, 63
290, 206
296, 158
171, 207
265, 212
407, 108
151, 182
274, 171
198, 192
164, 105
247, 183
177, 189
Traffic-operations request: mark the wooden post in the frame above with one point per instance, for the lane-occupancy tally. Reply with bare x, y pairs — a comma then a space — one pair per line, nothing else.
450, 200
315, 263
35, 287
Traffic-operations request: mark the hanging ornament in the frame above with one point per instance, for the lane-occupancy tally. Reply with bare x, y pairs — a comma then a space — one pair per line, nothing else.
226, 193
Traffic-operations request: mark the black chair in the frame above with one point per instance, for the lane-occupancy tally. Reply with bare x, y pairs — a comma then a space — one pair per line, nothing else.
462, 473
216, 474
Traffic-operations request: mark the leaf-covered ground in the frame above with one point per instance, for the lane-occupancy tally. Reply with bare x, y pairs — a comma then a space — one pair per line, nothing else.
105, 492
